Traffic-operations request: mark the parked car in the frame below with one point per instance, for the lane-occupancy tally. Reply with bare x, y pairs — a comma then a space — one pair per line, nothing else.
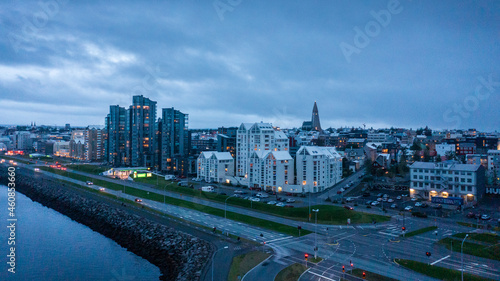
255, 199
348, 207
280, 204
271, 203
375, 203
379, 195
368, 202
394, 206
485, 217
414, 199
379, 199
290, 200
471, 215
418, 204
384, 199
398, 198
349, 199
408, 208
390, 200
385, 196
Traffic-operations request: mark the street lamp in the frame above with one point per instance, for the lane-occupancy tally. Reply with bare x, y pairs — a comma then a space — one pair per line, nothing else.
315, 235
225, 247
462, 255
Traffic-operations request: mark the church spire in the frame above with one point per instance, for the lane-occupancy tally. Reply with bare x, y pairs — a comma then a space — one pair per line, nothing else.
316, 126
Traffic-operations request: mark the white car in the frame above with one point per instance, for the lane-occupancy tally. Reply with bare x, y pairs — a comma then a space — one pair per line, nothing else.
379, 199
390, 200
394, 206
398, 198
408, 208
349, 199
271, 203
255, 199
414, 199
418, 204
375, 203
280, 204
290, 200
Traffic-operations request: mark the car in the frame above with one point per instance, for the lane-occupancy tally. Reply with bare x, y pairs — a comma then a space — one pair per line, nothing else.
138, 200
405, 195
347, 185
379, 195
348, 207
414, 199
384, 199
418, 204
386, 196
255, 199
289, 206
398, 198
471, 215
368, 202
89, 183
438, 206
390, 200
101, 189
394, 206
289, 194
379, 199
37, 170
246, 197
485, 217
290, 200
271, 203
349, 199
280, 204
375, 203
408, 208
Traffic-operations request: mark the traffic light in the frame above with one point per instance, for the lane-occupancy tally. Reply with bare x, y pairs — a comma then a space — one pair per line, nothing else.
403, 228
299, 227
428, 254
351, 263
306, 256
364, 275
343, 268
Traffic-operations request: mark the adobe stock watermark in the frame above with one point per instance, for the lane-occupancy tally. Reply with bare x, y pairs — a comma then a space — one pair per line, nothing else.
463, 110
372, 29
31, 26
221, 7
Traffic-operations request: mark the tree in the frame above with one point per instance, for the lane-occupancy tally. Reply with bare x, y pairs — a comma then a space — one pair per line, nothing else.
368, 166
438, 158
451, 155
427, 156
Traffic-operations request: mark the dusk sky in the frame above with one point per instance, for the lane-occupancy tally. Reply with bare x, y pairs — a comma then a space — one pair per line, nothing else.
380, 63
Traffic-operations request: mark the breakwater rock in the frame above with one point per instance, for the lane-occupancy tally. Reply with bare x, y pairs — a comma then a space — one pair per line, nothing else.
178, 255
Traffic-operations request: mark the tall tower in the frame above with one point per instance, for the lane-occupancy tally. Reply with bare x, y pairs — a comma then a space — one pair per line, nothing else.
316, 126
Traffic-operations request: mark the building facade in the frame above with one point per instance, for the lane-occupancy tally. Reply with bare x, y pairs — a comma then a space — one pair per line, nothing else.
270, 170
447, 179
141, 131
318, 168
174, 142
213, 166
115, 124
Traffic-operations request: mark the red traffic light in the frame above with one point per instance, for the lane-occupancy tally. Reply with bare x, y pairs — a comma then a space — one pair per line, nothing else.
306, 256
343, 268
428, 254
364, 275
352, 264
403, 228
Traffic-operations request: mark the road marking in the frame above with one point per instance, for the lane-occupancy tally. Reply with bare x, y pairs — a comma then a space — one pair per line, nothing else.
346, 237
390, 234
283, 238
440, 260
321, 276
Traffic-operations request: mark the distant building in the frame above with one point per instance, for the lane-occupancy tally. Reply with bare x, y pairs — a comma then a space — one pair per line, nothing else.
494, 163
22, 140
115, 124
94, 144
77, 145
141, 132
62, 148
447, 179
316, 126
174, 142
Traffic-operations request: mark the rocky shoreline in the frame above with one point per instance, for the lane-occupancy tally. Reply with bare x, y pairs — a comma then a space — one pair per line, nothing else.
178, 255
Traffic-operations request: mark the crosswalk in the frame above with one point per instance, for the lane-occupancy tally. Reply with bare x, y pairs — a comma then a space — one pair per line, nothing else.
391, 230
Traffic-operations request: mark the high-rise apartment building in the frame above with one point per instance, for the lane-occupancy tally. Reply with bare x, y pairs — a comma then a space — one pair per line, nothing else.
115, 143
141, 128
174, 141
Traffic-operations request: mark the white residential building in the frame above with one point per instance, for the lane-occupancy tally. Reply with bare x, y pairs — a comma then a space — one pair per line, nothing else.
214, 166
256, 137
447, 179
443, 148
377, 137
271, 170
318, 168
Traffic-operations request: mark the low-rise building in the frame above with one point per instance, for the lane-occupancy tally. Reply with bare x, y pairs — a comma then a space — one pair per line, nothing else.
447, 179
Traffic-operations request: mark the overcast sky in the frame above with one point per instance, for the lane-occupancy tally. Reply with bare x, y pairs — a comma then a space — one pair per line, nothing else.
380, 63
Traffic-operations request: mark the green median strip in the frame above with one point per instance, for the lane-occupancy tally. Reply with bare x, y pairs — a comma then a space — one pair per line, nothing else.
370, 275
482, 237
291, 273
289, 230
474, 249
243, 263
438, 272
420, 231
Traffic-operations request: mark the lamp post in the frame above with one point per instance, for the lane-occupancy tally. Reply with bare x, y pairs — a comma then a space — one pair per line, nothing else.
315, 234
225, 247
225, 206
462, 255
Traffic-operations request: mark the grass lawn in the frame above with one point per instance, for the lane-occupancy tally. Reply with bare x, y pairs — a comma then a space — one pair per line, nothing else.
370, 275
243, 263
489, 252
7, 159
289, 230
420, 231
91, 169
483, 237
313, 260
291, 273
440, 273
